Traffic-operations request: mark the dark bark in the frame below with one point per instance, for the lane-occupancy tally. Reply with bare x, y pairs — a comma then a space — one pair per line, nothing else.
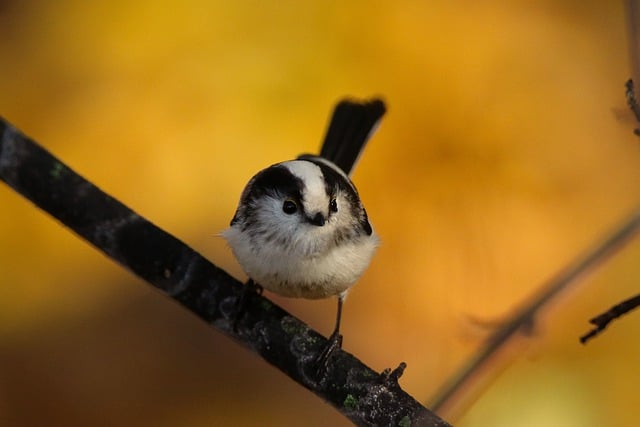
601, 321
361, 394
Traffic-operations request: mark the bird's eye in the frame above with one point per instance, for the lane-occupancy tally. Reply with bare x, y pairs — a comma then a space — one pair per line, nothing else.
289, 207
333, 205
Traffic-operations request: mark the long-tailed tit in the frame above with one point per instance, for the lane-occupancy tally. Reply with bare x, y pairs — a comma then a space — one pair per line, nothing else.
300, 229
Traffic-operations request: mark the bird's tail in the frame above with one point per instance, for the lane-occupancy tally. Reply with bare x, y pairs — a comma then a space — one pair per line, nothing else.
351, 125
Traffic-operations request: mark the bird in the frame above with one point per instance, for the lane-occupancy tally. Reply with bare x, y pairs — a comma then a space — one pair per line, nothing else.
300, 229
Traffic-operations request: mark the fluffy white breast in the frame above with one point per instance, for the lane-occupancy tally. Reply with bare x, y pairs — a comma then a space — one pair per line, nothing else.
295, 275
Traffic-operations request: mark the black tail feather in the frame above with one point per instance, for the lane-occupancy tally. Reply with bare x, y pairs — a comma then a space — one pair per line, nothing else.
351, 126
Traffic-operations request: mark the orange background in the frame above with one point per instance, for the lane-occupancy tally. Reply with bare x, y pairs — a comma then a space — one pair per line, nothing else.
507, 150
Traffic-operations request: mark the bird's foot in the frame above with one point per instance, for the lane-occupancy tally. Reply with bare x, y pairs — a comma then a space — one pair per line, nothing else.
321, 362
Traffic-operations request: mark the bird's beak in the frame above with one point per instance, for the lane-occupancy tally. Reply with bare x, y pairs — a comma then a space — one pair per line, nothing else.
318, 219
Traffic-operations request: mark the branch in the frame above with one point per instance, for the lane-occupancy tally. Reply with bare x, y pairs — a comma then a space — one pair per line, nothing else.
633, 18
632, 12
357, 391
632, 102
601, 321
524, 318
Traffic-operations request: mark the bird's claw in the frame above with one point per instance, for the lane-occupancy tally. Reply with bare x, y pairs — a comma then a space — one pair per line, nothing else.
321, 362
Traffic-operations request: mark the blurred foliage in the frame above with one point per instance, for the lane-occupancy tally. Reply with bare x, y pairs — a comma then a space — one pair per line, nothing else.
507, 150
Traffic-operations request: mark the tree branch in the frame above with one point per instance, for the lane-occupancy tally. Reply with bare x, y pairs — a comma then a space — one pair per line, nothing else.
357, 391
601, 321
523, 318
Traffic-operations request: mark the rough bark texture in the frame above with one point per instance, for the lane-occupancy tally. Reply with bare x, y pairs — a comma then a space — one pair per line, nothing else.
361, 394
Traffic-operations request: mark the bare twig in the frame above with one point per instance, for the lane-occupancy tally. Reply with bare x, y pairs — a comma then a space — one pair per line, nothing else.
602, 320
633, 20
632, 102
524, 318
358, 392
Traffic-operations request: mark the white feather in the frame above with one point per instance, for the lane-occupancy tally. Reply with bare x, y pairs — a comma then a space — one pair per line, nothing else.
310, 264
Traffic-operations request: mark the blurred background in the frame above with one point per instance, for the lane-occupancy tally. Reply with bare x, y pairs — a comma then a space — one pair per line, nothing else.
507, 150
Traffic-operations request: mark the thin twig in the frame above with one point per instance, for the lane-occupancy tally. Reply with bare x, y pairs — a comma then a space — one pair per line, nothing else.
632, 101
602, 320
524, 318
361, 394
633, 19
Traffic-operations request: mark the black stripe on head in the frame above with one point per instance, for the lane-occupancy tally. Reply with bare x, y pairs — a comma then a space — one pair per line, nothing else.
335, 181
275, 181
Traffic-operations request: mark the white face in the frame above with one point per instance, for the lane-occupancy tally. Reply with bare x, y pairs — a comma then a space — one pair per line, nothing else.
308, 217
315, 198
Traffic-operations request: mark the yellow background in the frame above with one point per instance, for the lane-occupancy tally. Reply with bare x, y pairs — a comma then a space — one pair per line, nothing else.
507, 150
